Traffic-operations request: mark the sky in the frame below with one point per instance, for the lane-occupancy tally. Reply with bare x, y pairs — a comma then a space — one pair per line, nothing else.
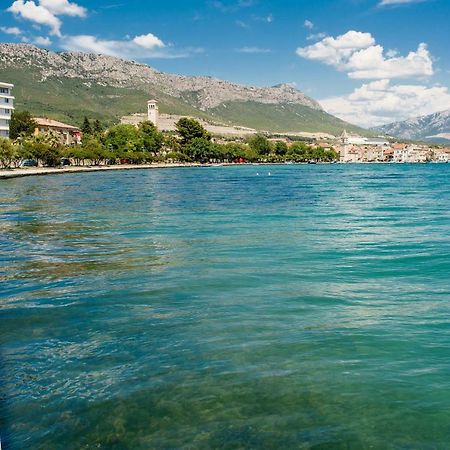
369, 62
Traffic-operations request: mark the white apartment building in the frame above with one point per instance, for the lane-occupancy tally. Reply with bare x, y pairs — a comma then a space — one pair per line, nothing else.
6, 108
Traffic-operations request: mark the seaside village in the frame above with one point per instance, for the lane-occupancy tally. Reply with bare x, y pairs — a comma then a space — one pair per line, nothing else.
351, 148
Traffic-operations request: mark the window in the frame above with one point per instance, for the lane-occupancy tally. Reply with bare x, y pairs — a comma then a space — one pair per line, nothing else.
4, 91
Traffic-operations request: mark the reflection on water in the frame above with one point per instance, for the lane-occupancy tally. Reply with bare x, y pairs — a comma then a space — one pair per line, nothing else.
213, 308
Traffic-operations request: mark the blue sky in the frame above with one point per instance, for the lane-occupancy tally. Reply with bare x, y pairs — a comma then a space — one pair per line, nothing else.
367, 61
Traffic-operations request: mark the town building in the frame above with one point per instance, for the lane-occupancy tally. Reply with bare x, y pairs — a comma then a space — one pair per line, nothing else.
67, 134
6, 108
153, 112
361, 149
442, 155
360, 140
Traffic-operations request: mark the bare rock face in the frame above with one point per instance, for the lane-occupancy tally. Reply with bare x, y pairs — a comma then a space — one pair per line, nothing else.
435, 125
110, 71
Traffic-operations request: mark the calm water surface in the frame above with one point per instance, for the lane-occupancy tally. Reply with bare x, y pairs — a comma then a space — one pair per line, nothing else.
223, 308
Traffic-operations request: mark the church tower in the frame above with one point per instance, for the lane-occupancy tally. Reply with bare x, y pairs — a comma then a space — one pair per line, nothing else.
345, 147
153, 112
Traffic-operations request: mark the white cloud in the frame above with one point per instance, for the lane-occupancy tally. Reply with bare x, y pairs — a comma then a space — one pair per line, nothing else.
63, 7
308, 24
29, 10
379, 102
370, 63
128, 48
398, 2
357, 54
45, 41
336, 51
316, 36
149, 41
11, 30
253, 50
46, 12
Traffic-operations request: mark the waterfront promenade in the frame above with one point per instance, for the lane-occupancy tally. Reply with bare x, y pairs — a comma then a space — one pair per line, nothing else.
35, 171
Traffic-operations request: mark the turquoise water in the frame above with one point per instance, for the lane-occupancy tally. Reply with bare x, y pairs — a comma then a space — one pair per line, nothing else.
224, 308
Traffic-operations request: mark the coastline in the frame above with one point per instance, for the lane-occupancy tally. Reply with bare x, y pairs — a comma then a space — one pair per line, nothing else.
40, 171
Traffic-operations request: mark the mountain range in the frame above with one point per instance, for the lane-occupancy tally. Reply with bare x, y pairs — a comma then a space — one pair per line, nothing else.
70, 85
434, 127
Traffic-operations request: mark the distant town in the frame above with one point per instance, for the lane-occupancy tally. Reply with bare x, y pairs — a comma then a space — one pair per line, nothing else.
202, 141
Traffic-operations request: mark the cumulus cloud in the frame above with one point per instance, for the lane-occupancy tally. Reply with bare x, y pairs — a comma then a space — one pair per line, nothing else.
379, 102
63, 7
370, 63
337, 51
11, 30
149, 41
145, 46
358, 54
308, 24
46, 12
37, 14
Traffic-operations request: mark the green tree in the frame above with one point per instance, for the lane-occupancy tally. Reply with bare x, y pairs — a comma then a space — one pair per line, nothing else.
232, 151
152, 139
260, 144
44, 148
8, 153
171, 143
124, 138
22, 124
97, 128
94, 150
78, 153
280, 148
86, 128
201, 150
189, 129
175, 156
298, 152
251, 155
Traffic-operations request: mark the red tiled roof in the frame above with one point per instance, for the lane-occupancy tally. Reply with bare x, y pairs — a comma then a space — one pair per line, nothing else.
44, 122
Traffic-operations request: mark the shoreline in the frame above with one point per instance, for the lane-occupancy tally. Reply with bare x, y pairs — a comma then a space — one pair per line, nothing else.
40, 171
6, 174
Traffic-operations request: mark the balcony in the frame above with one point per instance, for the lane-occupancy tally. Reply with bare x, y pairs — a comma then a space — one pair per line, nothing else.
9, 97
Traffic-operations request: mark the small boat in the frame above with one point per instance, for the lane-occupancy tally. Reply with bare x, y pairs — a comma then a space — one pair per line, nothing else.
311, 161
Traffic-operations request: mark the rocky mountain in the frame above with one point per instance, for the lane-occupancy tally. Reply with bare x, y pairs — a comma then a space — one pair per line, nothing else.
434, 127
69, 85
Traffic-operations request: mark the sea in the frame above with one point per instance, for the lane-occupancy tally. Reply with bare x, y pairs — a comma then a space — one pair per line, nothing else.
240, 307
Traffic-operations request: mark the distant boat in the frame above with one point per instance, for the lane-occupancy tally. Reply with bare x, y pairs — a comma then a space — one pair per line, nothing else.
311, 161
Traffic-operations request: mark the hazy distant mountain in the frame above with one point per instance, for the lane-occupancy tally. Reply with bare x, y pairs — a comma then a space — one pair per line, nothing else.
432, 127
68, 86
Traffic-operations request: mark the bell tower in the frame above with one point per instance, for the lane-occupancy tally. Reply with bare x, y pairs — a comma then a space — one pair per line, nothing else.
153, 112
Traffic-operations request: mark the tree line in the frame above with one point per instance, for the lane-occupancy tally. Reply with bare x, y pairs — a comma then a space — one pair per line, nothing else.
122, 143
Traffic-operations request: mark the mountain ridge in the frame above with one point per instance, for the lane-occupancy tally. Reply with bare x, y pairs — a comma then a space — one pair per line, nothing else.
68, 85
434, 126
